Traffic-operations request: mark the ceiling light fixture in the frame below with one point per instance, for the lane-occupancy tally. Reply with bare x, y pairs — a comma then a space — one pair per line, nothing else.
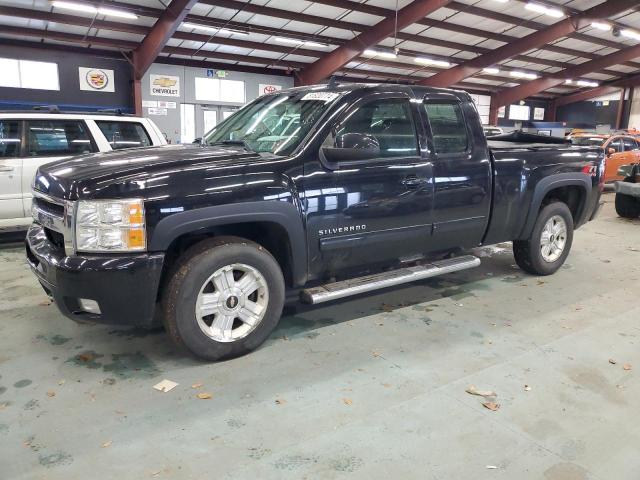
213, 30
539, 8
431, 61
630, 34
491, 70
295, 41
519, 74
379, 53
501, 1
568, 81
80, 7
604, 26
587, 83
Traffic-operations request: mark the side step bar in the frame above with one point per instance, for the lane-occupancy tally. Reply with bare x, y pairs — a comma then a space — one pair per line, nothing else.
354, 286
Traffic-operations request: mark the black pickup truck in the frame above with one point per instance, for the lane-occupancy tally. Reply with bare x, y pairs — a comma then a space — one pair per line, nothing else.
310, 194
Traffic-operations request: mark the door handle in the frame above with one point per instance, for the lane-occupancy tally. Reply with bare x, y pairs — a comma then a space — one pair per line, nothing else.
7, 169
412, 182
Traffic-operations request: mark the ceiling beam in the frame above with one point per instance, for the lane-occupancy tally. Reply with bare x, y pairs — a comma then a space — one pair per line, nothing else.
511, 95
529, 42
331, 62
609, 88
157, 38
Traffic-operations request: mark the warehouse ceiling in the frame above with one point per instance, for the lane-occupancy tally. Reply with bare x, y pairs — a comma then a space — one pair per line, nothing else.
348, 38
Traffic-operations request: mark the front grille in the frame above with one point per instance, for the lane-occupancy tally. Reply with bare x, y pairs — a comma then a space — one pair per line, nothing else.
49, 207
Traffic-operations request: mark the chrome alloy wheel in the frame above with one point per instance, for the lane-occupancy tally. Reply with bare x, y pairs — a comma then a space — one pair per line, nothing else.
232, 302
553, 239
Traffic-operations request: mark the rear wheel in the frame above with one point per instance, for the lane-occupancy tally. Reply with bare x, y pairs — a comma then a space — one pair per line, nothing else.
550, 242
627, 206
224, 298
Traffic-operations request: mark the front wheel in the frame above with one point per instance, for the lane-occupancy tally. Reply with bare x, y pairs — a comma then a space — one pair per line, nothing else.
550, 242
627, 206
224, 298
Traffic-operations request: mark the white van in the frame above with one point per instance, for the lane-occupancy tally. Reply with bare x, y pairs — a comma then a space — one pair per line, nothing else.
28, 140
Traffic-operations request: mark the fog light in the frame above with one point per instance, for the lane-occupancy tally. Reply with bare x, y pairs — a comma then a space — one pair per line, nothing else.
89, 306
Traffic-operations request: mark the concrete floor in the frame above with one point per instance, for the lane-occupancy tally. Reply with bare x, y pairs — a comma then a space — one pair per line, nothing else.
370, 388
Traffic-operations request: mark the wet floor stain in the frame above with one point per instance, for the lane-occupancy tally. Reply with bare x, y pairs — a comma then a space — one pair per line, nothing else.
346, 464
131, 365
134, 332
566, 471
258, 453
22, 383
31, 404
54, 339
4, 428
293, 462
294, 326
55, 459
512, 278
456, 293
477, 334
2, 390
87, 359
235, 423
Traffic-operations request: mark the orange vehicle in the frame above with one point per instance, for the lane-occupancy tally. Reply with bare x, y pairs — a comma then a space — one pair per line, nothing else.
619, 149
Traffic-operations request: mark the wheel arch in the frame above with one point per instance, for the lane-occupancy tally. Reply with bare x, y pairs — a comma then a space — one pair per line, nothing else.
559, 186
277, 226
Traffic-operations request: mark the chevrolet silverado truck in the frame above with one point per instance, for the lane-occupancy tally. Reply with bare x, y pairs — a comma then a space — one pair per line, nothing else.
310, 194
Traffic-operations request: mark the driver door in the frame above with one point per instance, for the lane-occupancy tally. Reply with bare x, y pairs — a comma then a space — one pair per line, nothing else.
10, 170
380, 205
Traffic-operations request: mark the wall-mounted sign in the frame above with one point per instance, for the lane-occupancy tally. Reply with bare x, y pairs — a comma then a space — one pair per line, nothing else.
163, 104
157, 111
96, 79
265, 88
538, 114
502, 111
164, 85
149, 103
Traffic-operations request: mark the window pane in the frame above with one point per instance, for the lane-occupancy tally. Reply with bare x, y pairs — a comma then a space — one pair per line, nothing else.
232, 91
629, 144
9, 138
448, 127
389, 122
124, 134
616, 145
57, 137
39, 75
207, 89
9, 73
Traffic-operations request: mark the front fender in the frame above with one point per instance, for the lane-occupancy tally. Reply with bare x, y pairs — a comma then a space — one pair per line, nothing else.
284, 214
545, 185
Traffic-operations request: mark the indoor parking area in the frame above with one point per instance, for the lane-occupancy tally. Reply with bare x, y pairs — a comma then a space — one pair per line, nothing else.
359, 239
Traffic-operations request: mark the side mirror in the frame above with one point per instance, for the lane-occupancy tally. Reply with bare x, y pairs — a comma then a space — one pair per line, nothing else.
611, 151
352, 147
198, 141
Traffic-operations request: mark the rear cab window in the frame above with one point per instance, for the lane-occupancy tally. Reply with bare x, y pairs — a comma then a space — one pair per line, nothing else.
10, 138
448, 127
629, 144
122, 134
58, 137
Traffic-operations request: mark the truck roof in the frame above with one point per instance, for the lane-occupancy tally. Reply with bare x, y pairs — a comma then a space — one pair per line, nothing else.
418, 91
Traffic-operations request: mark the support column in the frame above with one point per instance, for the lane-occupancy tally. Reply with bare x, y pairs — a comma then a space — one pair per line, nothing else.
620, 109
137, 95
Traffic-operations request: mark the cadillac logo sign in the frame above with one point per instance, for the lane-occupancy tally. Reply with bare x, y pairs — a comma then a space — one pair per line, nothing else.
96, 79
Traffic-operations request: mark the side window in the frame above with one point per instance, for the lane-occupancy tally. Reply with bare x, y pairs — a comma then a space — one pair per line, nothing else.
9, 138
616, 145
629, 144
57, 137
447, 126
124, 134
389, 122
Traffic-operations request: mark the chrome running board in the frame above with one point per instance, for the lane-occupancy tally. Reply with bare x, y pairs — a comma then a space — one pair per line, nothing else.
354, 286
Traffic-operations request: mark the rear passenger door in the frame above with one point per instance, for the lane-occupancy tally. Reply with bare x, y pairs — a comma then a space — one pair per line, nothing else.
10, 169
462, 172
49, 141
123, 134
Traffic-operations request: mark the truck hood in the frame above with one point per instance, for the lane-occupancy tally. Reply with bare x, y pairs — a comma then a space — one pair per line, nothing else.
86, 175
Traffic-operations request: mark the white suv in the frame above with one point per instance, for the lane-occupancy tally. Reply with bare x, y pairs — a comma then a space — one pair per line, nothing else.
28, 140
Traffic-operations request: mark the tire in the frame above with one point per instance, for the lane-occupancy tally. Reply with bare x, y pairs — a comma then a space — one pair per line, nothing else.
529, 254
200, 297
627, 206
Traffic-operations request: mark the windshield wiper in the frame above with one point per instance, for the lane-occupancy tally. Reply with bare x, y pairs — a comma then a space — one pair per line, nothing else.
240, 143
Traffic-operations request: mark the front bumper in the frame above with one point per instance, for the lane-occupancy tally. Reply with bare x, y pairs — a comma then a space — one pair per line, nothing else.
125, 286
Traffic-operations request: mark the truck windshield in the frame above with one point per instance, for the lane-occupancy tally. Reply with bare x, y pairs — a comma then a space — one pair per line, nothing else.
274, 123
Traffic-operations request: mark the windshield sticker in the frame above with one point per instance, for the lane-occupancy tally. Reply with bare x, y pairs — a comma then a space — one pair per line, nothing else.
321, 96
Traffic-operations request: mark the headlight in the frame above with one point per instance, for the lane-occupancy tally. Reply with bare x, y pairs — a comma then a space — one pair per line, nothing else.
110, 226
